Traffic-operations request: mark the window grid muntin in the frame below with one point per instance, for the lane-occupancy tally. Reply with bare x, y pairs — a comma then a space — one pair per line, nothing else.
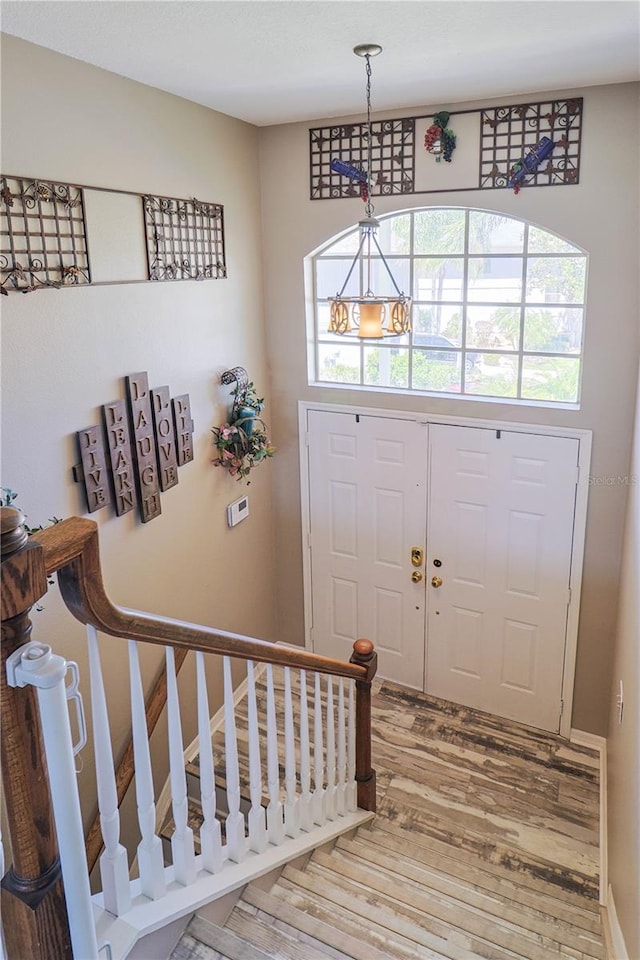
465, 302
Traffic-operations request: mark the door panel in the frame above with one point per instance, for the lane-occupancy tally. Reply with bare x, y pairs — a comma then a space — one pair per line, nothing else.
501, 510
367, 510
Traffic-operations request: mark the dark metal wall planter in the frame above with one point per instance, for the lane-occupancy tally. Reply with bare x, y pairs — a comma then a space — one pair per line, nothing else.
185, 239
43, 240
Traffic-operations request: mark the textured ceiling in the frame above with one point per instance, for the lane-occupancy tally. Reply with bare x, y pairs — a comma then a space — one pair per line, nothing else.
275, 61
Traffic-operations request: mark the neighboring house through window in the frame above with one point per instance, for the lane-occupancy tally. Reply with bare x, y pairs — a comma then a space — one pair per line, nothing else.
498, 309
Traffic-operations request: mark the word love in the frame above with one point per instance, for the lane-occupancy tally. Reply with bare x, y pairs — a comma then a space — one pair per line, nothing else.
136, 452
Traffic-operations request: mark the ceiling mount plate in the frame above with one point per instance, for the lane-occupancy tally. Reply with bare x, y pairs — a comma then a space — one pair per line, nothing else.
367, 50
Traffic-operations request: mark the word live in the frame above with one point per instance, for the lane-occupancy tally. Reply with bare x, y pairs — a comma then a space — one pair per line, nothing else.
136, 452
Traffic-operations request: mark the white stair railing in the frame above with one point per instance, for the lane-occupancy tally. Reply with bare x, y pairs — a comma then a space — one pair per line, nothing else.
210, 832
182, 847
257, 822
36, 665
275, 810
291, 807
331, 805
114, 868
234, 824
319, 808
352, 787
306, 810
341, 794
267, 839
150, 860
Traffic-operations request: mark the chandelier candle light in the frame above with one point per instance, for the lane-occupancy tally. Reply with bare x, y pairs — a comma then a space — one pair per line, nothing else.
369, 316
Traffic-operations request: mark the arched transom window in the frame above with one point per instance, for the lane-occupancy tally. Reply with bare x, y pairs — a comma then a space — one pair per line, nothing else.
498, 309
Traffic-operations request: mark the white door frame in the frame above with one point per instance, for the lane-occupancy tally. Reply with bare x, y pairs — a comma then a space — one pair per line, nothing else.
580, 520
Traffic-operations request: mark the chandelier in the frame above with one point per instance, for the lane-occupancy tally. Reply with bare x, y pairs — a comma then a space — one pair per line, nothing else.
368, 316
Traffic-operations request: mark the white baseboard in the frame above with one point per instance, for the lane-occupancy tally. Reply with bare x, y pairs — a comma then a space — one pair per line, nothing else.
614, 940
583, 739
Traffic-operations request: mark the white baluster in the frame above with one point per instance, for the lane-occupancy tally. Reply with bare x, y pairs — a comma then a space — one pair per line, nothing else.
304, 803
234, 824
114, 868
182, 846
257, 822
291, 808
352, 786
150, 859
210, 833
319, 813
341, 792
36, 664
275, 820
330, 793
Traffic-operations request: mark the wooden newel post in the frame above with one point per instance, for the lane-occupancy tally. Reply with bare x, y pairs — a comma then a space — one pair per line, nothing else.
365, 655
34, 914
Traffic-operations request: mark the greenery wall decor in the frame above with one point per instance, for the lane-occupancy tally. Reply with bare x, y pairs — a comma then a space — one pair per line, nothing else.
243, 442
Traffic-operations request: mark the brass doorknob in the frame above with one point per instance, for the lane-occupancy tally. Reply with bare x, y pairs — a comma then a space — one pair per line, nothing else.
416, 576
436, 581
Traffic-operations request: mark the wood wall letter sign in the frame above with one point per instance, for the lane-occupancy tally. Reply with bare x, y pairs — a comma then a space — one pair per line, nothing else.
148, 436
116, 424
184, 428
94, 468
165, 437
144, 445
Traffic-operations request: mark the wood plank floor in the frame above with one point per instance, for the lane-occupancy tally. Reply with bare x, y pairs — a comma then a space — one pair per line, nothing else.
485, 846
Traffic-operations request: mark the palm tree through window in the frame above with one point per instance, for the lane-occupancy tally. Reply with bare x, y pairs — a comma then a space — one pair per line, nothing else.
498, 309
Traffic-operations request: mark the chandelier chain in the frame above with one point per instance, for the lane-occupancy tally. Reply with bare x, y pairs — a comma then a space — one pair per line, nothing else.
369, 203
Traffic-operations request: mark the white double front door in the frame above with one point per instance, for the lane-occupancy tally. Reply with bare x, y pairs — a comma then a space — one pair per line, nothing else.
450, 548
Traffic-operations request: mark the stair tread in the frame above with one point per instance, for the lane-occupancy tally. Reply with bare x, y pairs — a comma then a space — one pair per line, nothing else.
188, 948
280, 939
422, 931
308, 914
444, 919
457, 897
225, 941
374, 938
458, 865
441, 857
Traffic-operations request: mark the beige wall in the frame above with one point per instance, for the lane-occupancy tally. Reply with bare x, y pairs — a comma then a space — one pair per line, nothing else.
599, 214
65, 354
624, 739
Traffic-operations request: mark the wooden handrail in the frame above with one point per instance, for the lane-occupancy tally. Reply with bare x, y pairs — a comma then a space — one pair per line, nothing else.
35, 916
71, 550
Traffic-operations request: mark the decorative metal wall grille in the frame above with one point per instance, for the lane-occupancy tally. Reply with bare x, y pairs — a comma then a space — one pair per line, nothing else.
392, 158
42, 235
508, 133
185, 239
